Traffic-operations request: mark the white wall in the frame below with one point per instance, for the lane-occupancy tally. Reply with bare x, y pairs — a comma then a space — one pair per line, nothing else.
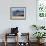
24, 25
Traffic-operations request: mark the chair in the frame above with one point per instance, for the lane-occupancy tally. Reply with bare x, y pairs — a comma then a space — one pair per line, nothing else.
25, 37
14, 32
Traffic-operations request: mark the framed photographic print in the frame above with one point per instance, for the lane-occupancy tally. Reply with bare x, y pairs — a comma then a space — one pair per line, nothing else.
18, 13
41, 8
41, 12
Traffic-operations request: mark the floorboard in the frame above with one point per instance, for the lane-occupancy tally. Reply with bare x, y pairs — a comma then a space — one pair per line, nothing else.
13, 44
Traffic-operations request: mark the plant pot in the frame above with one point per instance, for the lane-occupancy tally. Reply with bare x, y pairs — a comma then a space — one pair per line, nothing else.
40, 41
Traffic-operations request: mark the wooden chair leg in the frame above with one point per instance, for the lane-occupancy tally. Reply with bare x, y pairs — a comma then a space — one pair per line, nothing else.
5, 43
17, 39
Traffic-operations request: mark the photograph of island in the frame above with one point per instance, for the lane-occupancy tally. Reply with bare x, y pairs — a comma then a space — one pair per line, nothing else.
17, 13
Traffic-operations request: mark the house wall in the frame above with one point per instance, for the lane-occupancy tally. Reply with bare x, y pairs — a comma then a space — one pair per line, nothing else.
23, 25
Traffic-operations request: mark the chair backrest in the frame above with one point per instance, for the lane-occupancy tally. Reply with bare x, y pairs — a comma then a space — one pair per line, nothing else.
14, 30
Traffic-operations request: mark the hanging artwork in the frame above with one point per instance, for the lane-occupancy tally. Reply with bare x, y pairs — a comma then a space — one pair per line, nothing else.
41, 8
41, 12
17, 13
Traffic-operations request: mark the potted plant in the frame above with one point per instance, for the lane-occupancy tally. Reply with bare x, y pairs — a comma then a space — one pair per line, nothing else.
42, 27
38, 27
39, 35
35, 26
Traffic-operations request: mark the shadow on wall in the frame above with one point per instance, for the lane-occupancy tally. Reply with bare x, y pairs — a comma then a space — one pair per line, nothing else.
6, 31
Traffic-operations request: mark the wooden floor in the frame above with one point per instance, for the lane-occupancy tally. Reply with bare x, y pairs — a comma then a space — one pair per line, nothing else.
13, 44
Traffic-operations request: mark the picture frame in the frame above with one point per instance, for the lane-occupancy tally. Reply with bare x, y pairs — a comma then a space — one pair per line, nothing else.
17, 13
41, 8
41, 12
